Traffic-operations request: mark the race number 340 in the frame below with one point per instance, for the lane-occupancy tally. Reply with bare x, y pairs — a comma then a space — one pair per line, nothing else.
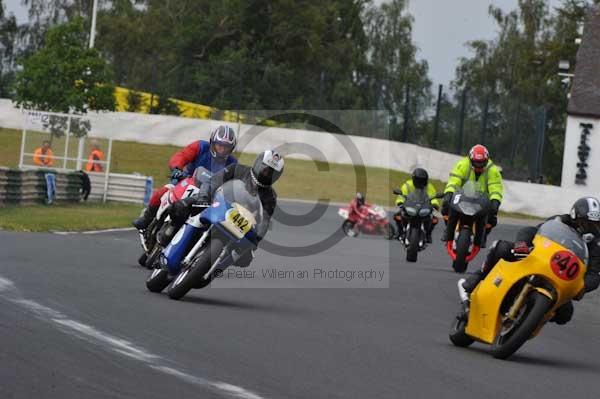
565, 265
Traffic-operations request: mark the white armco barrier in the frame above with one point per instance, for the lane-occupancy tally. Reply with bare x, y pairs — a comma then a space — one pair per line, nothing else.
533, 199
120, 187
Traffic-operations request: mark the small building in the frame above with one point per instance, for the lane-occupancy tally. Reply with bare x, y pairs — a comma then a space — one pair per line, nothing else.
581, 161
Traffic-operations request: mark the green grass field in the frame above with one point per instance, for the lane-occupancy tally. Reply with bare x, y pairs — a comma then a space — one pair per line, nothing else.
301, 180
80, 217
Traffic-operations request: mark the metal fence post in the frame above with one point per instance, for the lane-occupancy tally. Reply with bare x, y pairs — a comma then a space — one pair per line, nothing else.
461, 121
68, 132
23, 139
107, 171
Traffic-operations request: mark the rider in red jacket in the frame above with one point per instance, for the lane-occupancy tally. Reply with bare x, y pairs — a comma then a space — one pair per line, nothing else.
213, 155
359, 209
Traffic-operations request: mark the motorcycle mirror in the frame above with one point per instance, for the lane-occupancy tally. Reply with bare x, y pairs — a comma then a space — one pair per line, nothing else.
397, 191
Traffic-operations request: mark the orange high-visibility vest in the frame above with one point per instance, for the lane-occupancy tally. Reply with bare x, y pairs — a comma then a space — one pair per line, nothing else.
93, 165
41, 159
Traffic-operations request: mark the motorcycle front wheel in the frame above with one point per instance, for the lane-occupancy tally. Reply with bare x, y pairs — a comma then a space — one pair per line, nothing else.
513, 334
193, 276
413, 245
348, 228
462, 251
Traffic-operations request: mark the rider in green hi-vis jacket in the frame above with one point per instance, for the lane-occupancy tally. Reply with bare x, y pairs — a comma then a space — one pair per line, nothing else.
476, 167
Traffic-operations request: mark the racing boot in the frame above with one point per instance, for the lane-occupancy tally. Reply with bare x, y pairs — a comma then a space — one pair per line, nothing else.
464, 300
145, 219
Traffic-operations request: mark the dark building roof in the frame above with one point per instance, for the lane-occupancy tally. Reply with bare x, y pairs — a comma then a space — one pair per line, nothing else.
585, 94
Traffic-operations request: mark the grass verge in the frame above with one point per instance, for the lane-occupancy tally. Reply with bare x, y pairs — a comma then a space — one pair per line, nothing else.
72, 217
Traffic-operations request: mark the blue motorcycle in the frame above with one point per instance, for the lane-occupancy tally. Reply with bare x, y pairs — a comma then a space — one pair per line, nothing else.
207, 242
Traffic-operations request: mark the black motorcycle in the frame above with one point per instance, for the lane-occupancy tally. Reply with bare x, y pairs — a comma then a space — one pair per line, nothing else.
467, 219
416, 214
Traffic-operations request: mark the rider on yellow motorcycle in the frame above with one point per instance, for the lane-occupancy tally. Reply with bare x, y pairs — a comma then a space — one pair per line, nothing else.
584, 218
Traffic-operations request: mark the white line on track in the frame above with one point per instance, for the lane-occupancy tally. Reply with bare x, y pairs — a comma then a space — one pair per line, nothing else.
9, 291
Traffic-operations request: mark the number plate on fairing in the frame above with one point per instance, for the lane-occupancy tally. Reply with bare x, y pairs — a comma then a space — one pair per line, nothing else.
238, 221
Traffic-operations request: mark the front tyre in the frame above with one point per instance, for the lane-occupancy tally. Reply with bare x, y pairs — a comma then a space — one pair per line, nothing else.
193, 276
158, 280
151, 259
348, 228
142, 259
513, 334
413, 245
462, 251
388, 231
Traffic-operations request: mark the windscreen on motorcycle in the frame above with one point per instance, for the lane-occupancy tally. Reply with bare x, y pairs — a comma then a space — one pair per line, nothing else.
470, 199
473, 189
419, 196
201, 175
418, 202
564, 235
236, 191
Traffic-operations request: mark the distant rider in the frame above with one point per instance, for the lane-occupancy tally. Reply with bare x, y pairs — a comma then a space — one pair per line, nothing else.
359, 209
477, 167
259, 178
419, 180
213, 155
584, 218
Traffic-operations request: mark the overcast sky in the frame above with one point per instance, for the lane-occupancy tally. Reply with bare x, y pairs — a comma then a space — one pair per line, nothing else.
441, 29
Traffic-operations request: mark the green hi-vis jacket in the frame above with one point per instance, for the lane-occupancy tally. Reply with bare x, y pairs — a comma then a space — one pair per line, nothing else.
490, 180
408, 187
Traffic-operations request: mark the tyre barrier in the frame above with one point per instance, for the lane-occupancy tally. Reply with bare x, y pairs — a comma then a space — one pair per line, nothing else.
28, 187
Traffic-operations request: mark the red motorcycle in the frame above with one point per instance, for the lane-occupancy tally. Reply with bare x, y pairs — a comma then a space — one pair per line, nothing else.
160, 226
374, 222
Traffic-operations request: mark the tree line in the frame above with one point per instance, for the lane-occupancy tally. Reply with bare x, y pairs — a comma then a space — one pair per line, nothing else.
283, 54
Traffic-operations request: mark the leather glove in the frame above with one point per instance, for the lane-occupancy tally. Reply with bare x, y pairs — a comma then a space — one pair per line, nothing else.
177, 174
495, 206
521, 249
446, 203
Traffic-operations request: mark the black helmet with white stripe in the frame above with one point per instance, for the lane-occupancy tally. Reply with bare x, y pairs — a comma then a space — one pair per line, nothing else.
267, 168
586, 214
222, 142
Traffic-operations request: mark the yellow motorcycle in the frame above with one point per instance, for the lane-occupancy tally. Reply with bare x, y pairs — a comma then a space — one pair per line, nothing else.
516, 299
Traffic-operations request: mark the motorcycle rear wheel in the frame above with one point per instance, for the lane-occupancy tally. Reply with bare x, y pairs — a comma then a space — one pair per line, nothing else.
193, 276
510, 338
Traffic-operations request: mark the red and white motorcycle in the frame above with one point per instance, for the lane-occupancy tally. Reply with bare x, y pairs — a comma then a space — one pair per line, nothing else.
375, 222
160, 231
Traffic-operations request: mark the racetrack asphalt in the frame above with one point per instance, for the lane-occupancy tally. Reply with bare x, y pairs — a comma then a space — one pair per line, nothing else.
76, 321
